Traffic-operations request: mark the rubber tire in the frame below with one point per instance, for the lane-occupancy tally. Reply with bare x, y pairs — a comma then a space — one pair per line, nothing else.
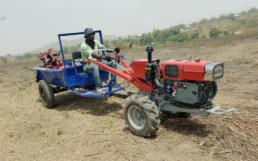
150, 113
46, 94
215, 89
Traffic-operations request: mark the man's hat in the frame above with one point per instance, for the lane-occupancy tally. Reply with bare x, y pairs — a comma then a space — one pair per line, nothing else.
88, 31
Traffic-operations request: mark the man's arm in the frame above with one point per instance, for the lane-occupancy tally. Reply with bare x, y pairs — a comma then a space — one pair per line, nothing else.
97, 56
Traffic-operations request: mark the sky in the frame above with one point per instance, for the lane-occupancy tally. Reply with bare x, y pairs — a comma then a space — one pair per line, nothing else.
31, 24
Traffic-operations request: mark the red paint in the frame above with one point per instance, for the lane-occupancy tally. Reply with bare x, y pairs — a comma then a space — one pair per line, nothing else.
128, 75
187, 70
138, 67
124, 63
135, 74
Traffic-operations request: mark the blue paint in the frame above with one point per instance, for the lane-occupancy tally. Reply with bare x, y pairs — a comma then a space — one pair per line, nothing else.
73, 77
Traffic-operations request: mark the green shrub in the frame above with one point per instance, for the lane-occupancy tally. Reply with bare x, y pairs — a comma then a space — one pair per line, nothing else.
226, 33
178, 38
194, 36
172, 38
242, 22
147, 39
214, 32
182, 37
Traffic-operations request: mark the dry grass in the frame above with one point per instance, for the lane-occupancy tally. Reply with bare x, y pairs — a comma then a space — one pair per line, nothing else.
86, 129
4, 59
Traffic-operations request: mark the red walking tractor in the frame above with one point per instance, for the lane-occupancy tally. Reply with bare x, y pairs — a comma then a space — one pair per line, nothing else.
174, 87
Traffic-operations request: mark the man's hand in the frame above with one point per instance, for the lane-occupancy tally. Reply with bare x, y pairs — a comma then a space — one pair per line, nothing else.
108, 58
90, 56
109, 50
96, 56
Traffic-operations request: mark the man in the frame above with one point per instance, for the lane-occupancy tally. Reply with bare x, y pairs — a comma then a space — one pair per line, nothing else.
87, 48
117, 55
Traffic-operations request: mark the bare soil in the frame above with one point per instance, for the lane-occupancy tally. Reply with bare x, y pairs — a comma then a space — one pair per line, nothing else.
94, 129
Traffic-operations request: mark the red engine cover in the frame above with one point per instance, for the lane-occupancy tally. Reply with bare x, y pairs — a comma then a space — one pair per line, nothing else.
184, 70
138, 68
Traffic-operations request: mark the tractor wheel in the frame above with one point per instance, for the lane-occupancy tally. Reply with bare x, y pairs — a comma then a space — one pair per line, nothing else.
46, 94
141, 115
215, 89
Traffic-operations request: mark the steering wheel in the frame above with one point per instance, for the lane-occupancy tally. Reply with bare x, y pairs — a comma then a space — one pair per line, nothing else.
108, 58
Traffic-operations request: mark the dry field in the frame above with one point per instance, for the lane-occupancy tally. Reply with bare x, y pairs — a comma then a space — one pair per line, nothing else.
92, 129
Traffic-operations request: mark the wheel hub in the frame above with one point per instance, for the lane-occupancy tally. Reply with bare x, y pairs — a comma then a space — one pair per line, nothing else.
43, 94
136, 117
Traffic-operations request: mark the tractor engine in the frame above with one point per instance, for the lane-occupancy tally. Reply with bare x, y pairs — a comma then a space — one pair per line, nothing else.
191, 82
186, 83
169, 89
194, 94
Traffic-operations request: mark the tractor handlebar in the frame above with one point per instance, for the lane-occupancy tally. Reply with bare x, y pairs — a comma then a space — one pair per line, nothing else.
107, 50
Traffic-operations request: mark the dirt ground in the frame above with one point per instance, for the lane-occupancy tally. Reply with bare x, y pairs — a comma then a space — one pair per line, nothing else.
92, 129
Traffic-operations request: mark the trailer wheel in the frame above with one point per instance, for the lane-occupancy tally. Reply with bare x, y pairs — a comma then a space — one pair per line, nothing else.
141, 115
46, 94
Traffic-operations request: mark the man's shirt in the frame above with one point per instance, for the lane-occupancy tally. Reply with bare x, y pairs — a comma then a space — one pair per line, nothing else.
86, 50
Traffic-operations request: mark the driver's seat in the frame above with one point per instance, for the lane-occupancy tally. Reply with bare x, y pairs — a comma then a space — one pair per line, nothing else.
77, 58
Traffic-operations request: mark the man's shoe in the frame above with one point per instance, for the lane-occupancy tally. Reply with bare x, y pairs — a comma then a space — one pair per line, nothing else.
113, 83
99, 90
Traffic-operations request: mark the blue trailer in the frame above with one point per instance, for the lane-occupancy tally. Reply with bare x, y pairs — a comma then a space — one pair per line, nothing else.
71, 77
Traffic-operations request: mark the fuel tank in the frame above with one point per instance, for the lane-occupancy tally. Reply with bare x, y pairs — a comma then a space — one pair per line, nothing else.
184, 69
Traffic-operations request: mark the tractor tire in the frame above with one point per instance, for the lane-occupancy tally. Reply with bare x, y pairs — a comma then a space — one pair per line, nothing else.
141, 115
215, 89
46, 94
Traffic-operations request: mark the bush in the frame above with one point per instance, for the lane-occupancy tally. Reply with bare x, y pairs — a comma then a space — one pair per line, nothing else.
242, 22
172, 38
226, 33
222, 17
178, 38
194, 35
182, 37
147, 39
214, 32
173, 31
159, 36
231, 17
